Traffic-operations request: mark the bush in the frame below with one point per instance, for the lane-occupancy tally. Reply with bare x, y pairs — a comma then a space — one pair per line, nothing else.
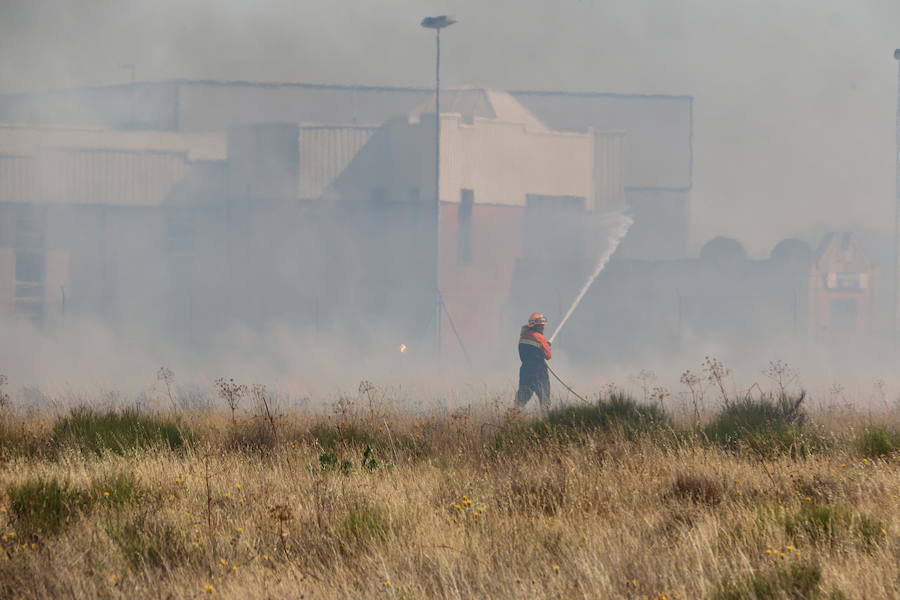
618, 411
696, 488
256, 437
115, 490
351, 437
799, 581
117, 432
765, 426
878, 442
146, 544
15, 444
834, 525
44, 506
342, 436
363, 524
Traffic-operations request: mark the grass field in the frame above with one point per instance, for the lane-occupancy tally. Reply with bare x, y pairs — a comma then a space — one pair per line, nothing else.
609, 500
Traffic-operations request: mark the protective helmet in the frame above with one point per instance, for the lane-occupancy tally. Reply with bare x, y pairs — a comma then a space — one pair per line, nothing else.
537, 319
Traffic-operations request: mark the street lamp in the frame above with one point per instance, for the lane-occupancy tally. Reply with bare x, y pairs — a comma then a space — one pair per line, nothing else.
437, 23
896, 210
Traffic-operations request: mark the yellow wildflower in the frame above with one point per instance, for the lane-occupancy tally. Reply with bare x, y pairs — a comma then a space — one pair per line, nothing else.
209, 589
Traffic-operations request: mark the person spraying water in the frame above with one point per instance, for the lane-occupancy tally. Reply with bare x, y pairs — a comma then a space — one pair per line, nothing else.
534, 352
535, 349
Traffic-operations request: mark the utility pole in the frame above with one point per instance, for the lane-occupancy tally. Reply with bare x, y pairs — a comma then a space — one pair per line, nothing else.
437, 23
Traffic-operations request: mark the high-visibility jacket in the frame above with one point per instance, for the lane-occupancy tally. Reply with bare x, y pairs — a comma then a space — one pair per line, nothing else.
534, 350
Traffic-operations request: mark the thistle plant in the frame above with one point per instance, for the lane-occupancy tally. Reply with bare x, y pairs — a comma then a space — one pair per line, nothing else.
231, 393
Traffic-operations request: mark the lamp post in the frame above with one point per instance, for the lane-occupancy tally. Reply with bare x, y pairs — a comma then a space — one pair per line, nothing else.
437, 23
896, 265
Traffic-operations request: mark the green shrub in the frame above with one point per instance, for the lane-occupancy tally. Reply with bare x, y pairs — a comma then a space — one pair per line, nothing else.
44, 506
878, 442
348, 436
328, 461
369, 461
799, 581
16, 444
117, 431
253, 437
765, 426
338, 437
116, 490
834, 525
363, 523
618, 411
147, 544
562, 424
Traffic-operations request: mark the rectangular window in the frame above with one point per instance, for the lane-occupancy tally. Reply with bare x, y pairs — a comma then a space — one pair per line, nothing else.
464, 227
30, 227
29, 292
30, 267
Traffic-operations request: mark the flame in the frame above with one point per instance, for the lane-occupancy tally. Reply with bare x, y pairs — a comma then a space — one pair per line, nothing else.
402, 348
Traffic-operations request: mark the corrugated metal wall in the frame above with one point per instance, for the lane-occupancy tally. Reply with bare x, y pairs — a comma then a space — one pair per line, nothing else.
65, 176
18, 178
609, 171
325, 152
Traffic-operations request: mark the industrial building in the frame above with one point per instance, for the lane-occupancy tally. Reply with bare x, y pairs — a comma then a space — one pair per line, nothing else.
658, 129
202, 203
183, 207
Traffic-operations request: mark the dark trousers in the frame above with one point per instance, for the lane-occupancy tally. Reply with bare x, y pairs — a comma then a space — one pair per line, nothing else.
533, 383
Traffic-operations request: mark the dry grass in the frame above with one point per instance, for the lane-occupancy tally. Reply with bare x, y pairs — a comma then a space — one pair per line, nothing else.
444, 511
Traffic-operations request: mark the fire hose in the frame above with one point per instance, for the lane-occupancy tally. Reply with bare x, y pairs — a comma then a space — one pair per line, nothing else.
564, 384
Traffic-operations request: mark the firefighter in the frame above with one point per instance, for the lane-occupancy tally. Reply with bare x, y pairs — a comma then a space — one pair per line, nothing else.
534, 351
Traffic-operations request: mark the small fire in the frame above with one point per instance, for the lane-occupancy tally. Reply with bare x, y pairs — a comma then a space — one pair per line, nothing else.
402, 348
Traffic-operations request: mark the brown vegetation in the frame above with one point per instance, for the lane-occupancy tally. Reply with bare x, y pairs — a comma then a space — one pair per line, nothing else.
367, 505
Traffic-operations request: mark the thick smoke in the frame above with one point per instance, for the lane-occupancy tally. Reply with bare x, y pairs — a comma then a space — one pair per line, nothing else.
793, 136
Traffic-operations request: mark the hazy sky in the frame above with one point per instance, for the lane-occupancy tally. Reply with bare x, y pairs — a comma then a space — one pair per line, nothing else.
794, 99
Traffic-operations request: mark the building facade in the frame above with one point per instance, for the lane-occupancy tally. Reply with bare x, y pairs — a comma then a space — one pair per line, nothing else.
657, 129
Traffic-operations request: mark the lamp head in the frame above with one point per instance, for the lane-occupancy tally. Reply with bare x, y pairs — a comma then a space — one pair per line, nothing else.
437, 22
